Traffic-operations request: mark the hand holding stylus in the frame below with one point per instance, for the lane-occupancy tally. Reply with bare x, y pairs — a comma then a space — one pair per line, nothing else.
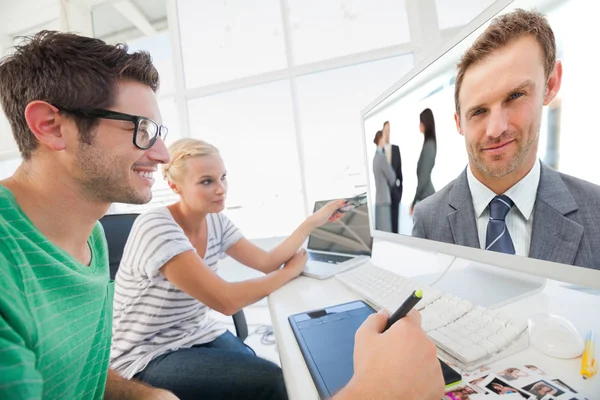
399, 363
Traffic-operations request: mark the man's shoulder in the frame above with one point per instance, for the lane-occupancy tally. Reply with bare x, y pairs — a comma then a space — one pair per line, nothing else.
585, 193
580, 185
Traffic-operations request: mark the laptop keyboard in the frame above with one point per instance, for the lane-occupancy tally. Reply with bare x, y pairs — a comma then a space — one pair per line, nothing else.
330, 258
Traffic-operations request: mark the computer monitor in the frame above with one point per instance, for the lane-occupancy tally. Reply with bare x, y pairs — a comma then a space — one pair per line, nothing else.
562, 228
350, 235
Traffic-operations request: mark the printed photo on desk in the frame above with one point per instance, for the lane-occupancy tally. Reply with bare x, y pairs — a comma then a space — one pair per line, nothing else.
518, 381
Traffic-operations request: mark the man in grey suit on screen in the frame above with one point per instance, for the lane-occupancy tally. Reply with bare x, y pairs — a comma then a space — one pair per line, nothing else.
507, 200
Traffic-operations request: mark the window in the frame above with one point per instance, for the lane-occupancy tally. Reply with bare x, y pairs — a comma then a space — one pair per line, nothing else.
8, 167
327, 29
159, 47
578, 142
455, 13
330, 104
7, 141
254, 130
225, 40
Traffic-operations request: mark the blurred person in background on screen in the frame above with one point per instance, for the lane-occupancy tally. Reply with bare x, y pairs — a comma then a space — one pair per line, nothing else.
385, 181
426, 159
507, 200
392, 155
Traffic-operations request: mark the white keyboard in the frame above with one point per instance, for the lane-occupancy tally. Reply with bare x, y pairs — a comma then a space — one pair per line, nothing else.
471, 335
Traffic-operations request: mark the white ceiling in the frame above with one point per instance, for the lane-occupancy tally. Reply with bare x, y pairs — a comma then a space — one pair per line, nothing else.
108, 21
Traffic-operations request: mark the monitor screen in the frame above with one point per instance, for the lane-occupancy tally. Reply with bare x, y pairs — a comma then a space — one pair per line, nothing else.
508, 161
348, 235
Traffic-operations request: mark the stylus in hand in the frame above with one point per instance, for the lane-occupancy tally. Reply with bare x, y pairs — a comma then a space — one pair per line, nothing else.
405, 308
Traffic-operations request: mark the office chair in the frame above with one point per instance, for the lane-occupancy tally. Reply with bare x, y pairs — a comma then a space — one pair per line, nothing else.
117, 228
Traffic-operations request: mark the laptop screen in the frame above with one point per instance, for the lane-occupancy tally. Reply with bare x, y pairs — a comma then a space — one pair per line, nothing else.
349, 235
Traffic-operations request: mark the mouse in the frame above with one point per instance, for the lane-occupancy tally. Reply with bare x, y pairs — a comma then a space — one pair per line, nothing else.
555, 336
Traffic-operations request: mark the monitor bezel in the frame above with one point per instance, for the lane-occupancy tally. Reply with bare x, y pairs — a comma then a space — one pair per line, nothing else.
586, 277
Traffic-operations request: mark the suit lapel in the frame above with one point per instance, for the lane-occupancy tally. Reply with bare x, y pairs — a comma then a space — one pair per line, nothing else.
554, 236
462, 220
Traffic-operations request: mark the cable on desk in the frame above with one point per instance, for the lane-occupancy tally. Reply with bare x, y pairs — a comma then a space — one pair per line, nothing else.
267, 334
443, 273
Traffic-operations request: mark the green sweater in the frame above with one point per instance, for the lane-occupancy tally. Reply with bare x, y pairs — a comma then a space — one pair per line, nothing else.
55, 313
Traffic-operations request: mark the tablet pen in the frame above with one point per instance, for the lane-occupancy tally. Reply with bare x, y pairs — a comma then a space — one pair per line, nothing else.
404, 309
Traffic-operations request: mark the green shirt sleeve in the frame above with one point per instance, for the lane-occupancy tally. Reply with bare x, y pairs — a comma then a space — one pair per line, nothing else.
19, 378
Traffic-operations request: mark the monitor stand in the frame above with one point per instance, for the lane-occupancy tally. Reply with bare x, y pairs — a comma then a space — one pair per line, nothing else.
484, 285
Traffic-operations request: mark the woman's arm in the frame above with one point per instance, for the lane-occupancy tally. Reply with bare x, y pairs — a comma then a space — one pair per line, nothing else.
254, 257
189, 273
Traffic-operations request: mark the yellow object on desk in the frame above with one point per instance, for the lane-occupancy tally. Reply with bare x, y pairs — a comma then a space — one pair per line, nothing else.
588, 362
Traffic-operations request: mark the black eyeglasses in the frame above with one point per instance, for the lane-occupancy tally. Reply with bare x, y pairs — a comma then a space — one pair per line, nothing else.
146, 130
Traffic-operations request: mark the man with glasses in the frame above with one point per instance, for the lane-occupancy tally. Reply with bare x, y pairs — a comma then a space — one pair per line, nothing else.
75, 105
85, 117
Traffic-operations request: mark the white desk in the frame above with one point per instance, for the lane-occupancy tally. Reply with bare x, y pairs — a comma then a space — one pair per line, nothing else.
305, 293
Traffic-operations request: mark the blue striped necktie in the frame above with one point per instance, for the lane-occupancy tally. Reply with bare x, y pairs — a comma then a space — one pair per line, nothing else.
497, 236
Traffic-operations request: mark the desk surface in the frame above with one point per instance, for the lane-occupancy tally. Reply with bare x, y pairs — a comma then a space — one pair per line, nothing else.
305, 293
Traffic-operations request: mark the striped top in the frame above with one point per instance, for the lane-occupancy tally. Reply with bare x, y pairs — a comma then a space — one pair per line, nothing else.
151, 315
55, 313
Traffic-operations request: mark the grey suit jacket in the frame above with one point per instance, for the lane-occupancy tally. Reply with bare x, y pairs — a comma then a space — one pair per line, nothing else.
385, 178
566, 218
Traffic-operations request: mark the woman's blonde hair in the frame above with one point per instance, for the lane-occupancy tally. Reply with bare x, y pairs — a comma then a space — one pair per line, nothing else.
180, 151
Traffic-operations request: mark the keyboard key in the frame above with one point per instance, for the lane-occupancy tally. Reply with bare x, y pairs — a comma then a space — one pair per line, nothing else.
444, 340
465, 306
478, 311
445, 331
475, 325
472, 353
489, 346
513, 330
509, 334
485, 333
475, 338
502, 319
498, 340
489, 315
495, 327
465, 342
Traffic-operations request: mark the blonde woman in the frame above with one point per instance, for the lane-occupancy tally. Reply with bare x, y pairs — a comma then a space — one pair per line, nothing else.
167, 283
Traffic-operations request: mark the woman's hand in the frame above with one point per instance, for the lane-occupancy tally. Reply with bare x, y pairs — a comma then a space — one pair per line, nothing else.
297, 263
327, 213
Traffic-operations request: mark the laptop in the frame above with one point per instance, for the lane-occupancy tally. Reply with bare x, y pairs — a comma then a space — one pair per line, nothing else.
339, 246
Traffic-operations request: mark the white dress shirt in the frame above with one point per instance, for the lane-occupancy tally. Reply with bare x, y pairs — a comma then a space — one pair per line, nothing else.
388, 152
519, 220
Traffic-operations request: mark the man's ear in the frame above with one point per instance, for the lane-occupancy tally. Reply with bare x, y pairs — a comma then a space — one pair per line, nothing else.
457, 121
45, 122
554, 83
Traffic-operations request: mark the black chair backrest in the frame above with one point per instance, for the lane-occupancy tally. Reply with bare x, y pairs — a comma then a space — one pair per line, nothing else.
116, 229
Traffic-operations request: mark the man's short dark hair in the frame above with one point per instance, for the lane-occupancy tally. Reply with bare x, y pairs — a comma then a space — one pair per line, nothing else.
69, 70
502, 31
